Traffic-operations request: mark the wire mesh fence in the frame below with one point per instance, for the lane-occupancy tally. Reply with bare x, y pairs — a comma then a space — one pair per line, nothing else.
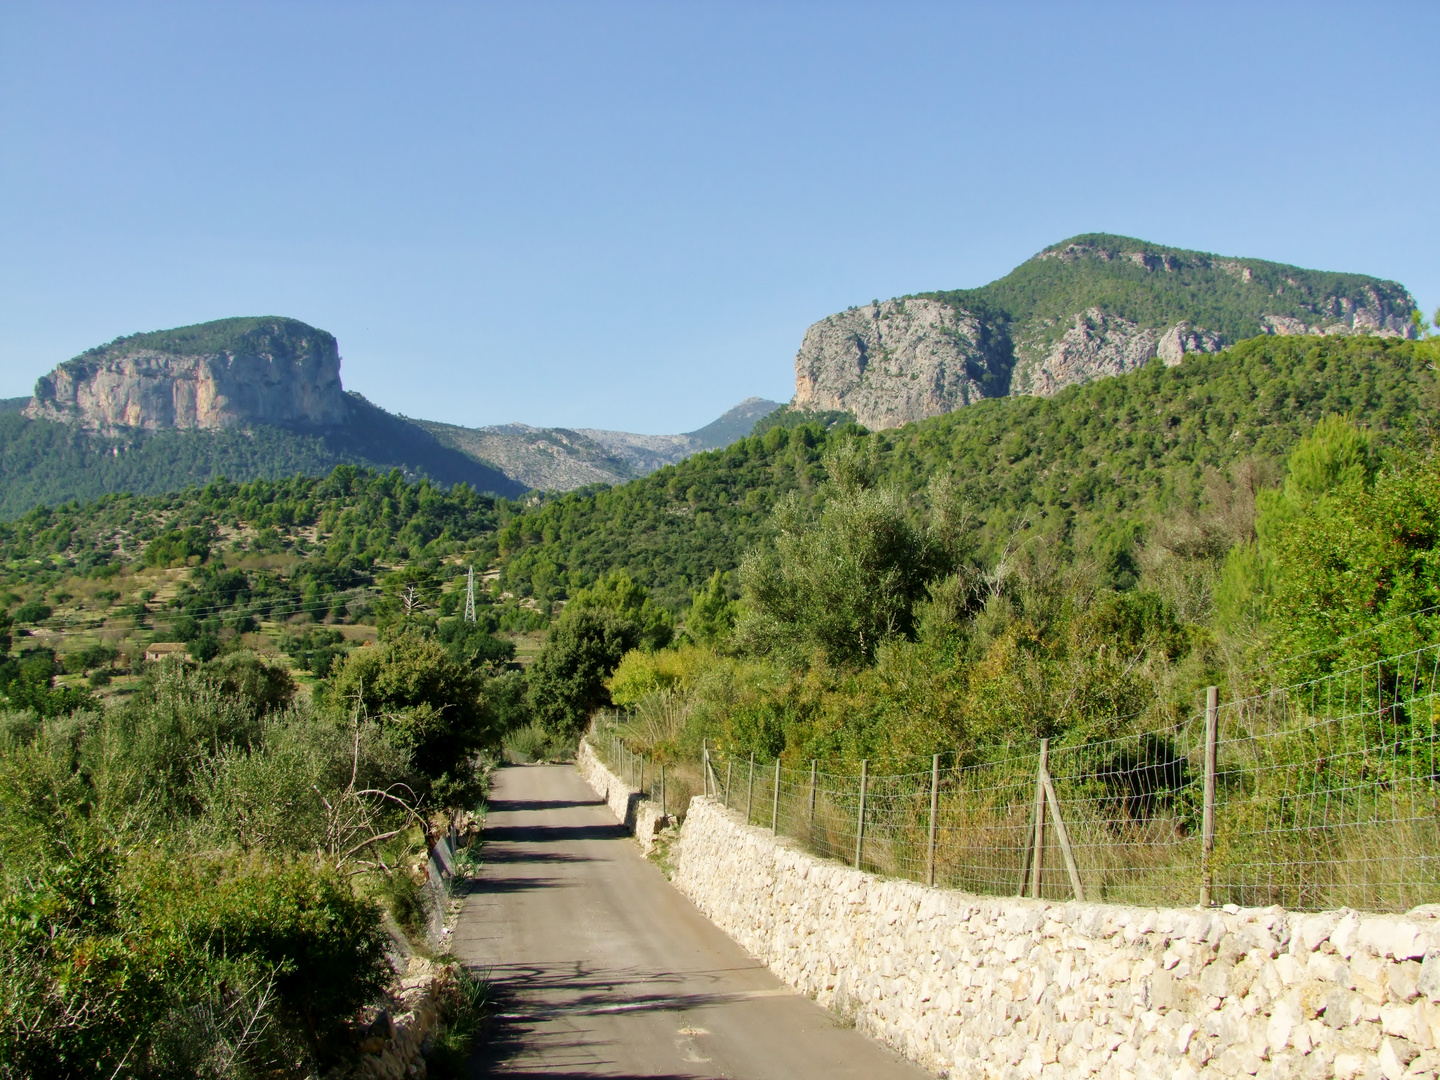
1320, 795
668, 784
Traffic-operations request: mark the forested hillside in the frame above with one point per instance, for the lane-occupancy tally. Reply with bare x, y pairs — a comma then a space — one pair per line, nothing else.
1084, 470
45, 462
1155, 286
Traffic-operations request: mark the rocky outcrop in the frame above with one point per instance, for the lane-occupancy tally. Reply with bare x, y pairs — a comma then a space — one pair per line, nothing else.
897, 361
1183, 338
1095, 346
901, 360
217, 375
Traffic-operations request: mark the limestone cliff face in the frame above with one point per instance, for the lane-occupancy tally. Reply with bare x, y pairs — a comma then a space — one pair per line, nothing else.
215, 375
898, 361
902, 360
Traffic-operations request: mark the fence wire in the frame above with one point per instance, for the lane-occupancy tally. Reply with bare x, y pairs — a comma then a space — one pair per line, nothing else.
1326, 794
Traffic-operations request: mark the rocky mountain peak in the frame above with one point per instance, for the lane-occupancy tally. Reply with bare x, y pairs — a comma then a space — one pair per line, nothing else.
1088, 307
228, 373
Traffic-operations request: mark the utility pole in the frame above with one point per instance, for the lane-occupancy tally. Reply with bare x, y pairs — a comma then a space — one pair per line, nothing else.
470, 595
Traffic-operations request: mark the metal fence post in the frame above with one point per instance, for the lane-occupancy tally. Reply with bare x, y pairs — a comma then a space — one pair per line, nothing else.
750, 789
860, 819
934, 810
811, 824
728, 764
1207, 848
775, 804
663, 811
705, 765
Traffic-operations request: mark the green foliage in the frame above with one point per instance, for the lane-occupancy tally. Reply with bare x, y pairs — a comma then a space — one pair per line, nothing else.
641, 673
472, 646
616, 592
316, 649
1336, 456
1362, 555
789, 418
244, 677
264, 335
713, 611
527, 743
163, 912
428, 703
137, 966
27, 681
567, 679
44, 463
31, 612
1157, 287
301, 546
178, 546
842, 584
1087, 472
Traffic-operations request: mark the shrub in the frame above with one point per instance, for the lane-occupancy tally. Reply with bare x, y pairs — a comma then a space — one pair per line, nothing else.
31, 612
528, 743
427, 702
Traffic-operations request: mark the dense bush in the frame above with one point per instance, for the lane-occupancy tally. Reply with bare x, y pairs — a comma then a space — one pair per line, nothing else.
427, 702
178, 877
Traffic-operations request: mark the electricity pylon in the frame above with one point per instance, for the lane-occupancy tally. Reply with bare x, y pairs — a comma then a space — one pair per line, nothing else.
470, 596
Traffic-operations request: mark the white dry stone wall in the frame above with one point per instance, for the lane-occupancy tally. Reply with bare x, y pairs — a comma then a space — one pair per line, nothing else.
636, 811
979, 986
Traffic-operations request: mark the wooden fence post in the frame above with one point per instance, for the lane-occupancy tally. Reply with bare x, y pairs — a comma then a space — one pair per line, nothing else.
1038, 857
750, 789
705, 766
775, 806
1207, 828
1063, 835
934, 810
860, 818
811, 823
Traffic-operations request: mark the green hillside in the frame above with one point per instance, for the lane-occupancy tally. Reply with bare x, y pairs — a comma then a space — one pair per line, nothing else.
1085, 469
271, 335
47, 463
1157, 286
734, 424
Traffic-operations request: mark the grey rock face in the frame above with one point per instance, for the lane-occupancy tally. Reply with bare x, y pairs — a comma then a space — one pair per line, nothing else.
562, 459
898, 361
1182, 338
151, 389
901, 360
1096, 345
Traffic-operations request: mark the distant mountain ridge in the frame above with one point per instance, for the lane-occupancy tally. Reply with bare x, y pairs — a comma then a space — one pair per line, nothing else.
563, 459
1088, 307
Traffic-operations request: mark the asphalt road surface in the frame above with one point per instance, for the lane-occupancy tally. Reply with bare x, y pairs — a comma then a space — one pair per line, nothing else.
602, 968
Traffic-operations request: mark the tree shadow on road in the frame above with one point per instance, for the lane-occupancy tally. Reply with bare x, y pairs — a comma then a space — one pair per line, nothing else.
552, 834
511, 806
529, 998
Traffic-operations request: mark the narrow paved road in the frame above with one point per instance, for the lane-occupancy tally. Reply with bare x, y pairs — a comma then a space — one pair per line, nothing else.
604, 969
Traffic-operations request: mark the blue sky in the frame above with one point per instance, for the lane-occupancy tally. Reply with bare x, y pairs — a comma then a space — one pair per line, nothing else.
624, 215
